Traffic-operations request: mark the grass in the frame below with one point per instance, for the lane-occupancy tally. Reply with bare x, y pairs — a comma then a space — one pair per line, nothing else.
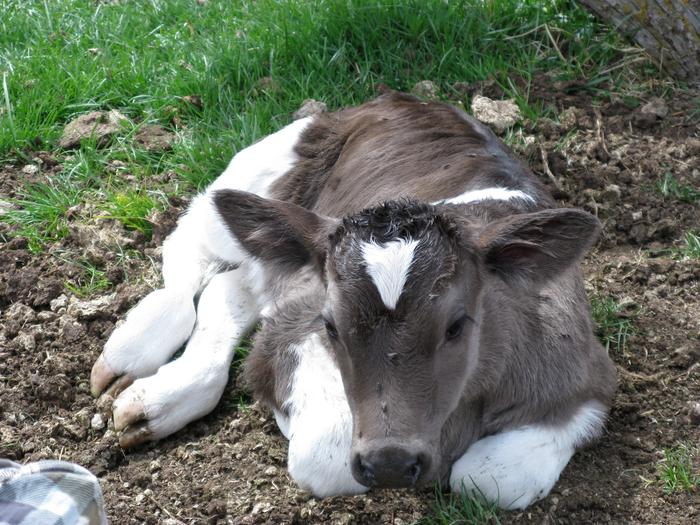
614, 327
462, 509
671, 188
691, 249
677, 471
251, 64
92, 281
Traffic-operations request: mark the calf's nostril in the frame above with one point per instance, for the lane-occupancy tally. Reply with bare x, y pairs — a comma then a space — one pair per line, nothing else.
363, 471
413, 471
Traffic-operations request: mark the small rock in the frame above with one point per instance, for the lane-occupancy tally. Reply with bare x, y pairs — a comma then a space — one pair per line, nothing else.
567, 119
72, 331
656, 107
499, 114
271, 471
262, 507
26, 341
308, 108
425, 89
91, 309
101, 125
30, 169
154, 138
21, 312
194, 100
694, 412
45, 316
97, 422
650, 113
59, 302
637, 216
612, 193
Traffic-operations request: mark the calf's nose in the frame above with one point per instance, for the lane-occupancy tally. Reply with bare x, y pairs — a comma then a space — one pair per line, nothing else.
389, 467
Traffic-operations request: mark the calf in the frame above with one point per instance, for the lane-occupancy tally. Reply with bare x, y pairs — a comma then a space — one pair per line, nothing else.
423, 312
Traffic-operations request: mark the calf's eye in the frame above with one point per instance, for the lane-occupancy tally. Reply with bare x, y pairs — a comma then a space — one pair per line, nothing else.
455, 329
330, 329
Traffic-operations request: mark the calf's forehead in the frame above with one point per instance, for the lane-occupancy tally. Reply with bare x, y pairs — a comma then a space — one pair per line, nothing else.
371, 278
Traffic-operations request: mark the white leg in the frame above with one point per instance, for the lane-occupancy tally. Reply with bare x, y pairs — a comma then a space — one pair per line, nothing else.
163, 321
191, 386
318, 424
518, 467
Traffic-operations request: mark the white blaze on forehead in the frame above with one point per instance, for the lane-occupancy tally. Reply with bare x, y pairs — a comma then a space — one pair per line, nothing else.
388, 265
496, 193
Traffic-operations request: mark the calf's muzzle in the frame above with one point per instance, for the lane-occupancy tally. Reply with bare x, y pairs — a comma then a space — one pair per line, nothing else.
390, 466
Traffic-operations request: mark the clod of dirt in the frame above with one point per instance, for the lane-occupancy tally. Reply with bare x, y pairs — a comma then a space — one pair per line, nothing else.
426, 89
694, 412
100, 125
567, 119
31, 169
154, 138
71, 331
310, 107
267, 85
650, 113
499, 114
194, 100
85, 310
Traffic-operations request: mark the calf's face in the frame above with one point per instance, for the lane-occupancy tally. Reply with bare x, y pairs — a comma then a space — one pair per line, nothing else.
403, 313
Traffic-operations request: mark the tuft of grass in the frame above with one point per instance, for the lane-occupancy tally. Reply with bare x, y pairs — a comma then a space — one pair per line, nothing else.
671, 188
677, 471
692, 246
92, 281
614, 327
41, 211
131, 207
462, 509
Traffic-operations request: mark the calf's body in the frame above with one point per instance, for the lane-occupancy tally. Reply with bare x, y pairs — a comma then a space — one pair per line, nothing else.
423, 314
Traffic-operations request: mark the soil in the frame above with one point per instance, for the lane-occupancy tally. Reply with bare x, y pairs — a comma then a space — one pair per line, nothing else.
229, 467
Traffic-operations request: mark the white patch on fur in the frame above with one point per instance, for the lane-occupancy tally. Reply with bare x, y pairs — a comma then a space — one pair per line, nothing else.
191, 386
319, 424
496, 193
518, 467
388, 266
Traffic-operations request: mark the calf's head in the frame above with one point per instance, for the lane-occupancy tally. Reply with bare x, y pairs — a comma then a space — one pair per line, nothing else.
404, 311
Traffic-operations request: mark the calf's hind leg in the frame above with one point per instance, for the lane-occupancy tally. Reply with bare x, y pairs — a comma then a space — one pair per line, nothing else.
518, 467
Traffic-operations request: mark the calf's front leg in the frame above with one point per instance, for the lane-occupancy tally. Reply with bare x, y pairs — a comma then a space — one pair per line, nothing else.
191, 386
517, 467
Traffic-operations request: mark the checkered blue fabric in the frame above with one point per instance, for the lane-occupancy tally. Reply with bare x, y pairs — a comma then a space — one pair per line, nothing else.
49, 493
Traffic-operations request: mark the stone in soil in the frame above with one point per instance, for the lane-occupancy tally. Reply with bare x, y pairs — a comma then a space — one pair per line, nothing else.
499, 114
100, 125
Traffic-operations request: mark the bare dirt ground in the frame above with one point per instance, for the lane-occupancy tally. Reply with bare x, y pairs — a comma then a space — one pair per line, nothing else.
230, 466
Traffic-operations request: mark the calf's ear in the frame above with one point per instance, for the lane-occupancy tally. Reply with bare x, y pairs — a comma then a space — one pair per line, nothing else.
534, 247
274, 231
